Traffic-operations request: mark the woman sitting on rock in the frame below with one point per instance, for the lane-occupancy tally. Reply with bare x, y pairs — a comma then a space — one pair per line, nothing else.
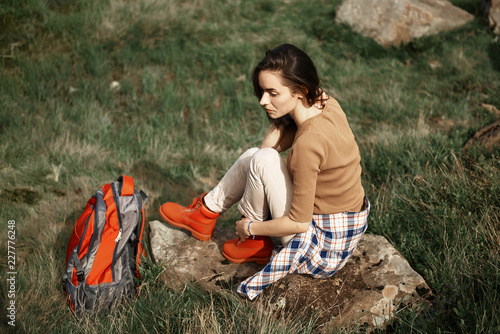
315, 202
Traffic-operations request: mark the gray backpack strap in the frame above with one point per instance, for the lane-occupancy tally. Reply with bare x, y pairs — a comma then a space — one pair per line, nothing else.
80, 273
144, 197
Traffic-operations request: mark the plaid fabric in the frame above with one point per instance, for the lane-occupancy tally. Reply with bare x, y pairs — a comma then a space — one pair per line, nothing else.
320, 252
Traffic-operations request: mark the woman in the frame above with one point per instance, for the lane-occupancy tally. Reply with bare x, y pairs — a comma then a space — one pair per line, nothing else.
315, 202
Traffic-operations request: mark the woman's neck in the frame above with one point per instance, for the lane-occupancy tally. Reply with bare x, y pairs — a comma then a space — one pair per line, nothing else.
303, 112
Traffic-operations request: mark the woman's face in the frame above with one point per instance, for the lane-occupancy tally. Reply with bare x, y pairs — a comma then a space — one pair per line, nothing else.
277, 99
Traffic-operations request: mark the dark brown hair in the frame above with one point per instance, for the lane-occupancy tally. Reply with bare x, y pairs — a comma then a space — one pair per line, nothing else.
296, 69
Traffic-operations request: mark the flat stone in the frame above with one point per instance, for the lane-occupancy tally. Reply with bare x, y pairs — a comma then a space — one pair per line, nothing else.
375, 283
187, 259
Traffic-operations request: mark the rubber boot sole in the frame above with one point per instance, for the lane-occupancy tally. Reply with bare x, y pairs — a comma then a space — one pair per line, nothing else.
259, 260
196, 234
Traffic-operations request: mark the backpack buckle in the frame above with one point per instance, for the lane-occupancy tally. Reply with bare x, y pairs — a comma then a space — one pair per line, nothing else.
81, 275
80, 272
134, 240
63, 281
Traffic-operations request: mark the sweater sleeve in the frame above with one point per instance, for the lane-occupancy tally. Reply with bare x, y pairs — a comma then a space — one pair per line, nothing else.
305, 162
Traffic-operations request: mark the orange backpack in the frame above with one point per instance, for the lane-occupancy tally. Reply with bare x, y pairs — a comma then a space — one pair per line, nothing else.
105, 248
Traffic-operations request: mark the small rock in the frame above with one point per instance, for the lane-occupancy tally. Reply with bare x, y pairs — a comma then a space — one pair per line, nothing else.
114, 86
434, 64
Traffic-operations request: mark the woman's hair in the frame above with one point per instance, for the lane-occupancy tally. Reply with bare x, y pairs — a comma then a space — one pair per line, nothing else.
296, 69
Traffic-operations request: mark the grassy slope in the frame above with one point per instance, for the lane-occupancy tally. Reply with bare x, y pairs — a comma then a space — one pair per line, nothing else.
185, 111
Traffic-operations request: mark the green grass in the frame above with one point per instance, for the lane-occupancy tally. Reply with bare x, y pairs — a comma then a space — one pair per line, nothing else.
185, 111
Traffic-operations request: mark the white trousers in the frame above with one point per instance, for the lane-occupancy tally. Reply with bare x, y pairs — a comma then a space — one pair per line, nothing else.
259, 180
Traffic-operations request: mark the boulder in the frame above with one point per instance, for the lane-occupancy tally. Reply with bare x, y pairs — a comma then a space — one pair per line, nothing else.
375, 283
187, 259
494, 16
392, 22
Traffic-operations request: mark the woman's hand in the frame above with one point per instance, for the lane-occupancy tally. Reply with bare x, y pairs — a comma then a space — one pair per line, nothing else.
320, 104
242, 229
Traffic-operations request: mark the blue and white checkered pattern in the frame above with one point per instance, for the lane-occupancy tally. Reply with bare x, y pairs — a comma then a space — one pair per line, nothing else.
320, 252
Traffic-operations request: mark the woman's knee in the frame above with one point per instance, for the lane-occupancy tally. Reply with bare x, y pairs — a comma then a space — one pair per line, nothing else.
265, 158
245, 158
249, 153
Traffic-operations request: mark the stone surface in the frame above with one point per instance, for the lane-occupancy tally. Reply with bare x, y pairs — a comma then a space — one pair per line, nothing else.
392, 22
375, 283
187, 259
494, 16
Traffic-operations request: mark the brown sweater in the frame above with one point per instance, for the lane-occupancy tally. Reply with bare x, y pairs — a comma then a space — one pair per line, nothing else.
324, 164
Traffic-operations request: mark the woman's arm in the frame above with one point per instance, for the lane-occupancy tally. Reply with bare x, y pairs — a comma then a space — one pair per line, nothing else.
279, 137
278, 227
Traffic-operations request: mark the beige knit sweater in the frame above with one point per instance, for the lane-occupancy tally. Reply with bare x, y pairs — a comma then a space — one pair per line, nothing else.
324, 164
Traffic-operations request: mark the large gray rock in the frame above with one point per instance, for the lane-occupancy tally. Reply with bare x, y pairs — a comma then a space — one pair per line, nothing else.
187, 259
392, 22
375, 283
494, 16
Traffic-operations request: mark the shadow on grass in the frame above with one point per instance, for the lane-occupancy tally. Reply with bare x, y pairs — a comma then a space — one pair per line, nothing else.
494, 54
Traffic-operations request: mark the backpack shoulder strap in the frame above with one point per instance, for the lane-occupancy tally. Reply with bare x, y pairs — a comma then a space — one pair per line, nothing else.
127, 183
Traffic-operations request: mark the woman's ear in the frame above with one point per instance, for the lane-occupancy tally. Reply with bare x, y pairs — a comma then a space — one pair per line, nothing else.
303, 92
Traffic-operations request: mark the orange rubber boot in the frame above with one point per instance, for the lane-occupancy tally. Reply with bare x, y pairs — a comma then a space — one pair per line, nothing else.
196, 218
251, 250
